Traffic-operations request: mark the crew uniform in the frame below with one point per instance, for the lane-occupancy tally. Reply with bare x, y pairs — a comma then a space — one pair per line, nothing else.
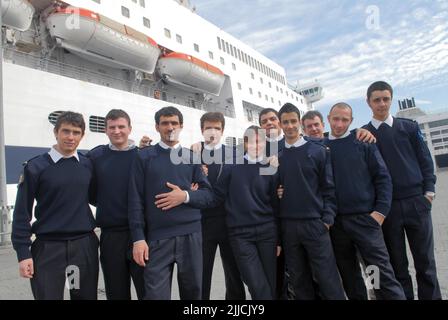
412, 170
173, 236
65, 243
214, 230
308, 202
110, 184
363, 185
251, 203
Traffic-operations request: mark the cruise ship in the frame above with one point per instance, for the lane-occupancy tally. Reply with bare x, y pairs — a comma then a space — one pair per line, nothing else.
90, 56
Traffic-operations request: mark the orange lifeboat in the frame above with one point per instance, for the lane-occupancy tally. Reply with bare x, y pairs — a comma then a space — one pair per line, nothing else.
102, 40
191, 73
17, 14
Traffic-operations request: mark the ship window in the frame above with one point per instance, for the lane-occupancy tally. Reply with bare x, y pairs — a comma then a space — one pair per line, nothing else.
279, 103
142, 3
222, 60
270, 85
223, 45
97, 1
266, 97
261, 80
259, 94
435, 133
439, 123
239, 55
276, 88
167, 33
125, 12
97, 124
219, 43
231, 50
251, 91
239, 86
227, 47
146, 22
287, 94
196, 47
233, 66
281, 90
438, 148
436, 141
444, 131
272, 100
179, 38
297, 99
53, 117
210, 54
252, 75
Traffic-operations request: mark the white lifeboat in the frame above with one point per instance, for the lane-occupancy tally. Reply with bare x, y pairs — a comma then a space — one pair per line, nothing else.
17, 14
98, 38
191, 73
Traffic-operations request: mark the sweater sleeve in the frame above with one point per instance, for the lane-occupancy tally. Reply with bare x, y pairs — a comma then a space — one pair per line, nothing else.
23, 213
136, 200
203, 197
326, 185
381, 179
424, 160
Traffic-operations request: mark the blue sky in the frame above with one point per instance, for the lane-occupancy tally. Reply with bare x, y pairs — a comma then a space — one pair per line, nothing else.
347, 45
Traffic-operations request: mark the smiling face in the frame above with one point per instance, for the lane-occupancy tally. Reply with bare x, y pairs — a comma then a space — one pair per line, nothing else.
270, 122
291, 126
169, 128
380, 102
118, 131
313, 127
68, 138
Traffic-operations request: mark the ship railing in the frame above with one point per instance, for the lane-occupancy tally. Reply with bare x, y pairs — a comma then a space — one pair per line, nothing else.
83, 74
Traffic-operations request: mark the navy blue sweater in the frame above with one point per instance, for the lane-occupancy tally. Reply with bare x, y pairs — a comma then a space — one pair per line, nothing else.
61, 191
362, 181
407, 157
215, 159
307, 177
250, 198
150, 172
110, 185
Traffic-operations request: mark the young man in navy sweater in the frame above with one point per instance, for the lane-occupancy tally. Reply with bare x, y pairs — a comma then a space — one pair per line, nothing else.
65, 244
214, 231
364, 195
307, 211
249, 192
412, 170
112, 163
166, 226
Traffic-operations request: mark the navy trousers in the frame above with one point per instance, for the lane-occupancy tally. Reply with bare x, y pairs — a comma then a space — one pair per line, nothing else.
411, 218
363, 232
184, 251
214, 234
119, 266
255, 249
309, 254
68, 263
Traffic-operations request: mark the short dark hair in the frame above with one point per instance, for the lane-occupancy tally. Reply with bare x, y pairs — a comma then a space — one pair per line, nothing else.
70, 117
266, 111
168, 112
115, 114
379, 86
310, 115
288, 108
342, 105
213, 117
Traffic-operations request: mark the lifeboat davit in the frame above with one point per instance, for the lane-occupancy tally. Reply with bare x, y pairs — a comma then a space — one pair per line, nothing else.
17, 14
98, 38
191, 73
